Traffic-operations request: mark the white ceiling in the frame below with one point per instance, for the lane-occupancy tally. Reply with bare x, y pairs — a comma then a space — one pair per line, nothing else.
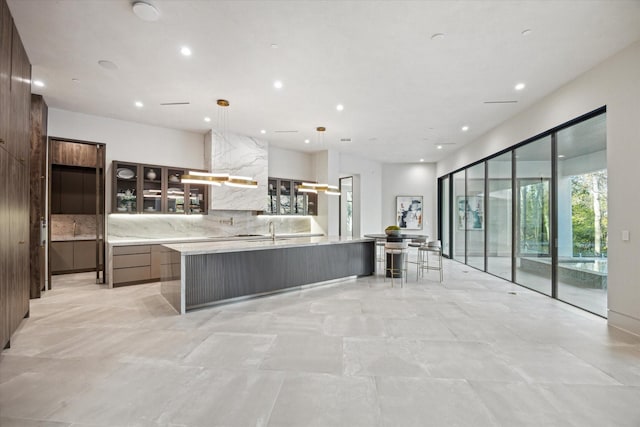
403, 92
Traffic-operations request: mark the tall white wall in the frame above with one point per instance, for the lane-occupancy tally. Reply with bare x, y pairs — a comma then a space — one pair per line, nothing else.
413, 179
616, 84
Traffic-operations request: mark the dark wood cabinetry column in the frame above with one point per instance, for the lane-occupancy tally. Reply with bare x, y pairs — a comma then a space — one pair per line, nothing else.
38, 168
15, 104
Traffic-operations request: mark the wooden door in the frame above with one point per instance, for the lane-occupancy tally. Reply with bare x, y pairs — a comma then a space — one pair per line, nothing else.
18, 268
6, 25
18, 143
5, 318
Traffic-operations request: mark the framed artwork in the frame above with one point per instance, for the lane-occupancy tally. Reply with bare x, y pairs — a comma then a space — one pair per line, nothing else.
470, 213
409, 212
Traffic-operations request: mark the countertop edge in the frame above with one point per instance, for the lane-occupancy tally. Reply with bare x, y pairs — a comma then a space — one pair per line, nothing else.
237, 246
186, 240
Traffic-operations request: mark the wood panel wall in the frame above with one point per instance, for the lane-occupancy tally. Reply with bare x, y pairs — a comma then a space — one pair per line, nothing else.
37, 187
15, 105
72, 153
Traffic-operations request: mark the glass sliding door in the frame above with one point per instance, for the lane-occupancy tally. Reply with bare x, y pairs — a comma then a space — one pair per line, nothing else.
533, 227
475, 216
498, 218
444, 216
460, 216
582, 215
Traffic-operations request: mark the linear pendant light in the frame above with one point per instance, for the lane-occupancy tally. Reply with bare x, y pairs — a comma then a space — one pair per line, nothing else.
308, 187
217, 179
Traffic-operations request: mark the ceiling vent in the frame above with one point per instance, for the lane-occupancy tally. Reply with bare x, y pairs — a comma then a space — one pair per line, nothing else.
175, 103
285, 131
345, 139
501, 102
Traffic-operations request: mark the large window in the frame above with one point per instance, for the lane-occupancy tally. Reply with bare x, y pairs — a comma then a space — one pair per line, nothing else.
475, 216
537, 214
445, 215
582, 215
460, 216
498, 216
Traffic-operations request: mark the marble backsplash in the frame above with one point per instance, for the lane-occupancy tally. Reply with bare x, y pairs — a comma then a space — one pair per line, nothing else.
215, 224
68, 227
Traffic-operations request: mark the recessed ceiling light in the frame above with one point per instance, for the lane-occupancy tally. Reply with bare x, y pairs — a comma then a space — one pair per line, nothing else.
422, 160
145, 11
139, 104
75, 80
185, 51
437, 36
339, 107
439, 147
38, 83
561, 156
274, 46
207, 119
526, 32
263, 131
104, 63
465, 128
277, 84
306, 141
520, 86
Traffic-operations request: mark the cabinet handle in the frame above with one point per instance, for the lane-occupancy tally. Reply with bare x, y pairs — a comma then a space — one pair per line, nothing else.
2, 141
21, 242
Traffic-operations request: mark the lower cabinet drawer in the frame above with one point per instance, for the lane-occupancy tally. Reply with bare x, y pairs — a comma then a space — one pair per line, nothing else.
134, 260
133, 274
134, 249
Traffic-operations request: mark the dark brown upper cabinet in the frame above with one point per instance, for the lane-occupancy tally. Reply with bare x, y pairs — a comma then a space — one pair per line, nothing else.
154, 189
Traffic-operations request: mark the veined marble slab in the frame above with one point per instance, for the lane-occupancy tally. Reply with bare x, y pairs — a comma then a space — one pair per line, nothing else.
216, 224
259, 244
242, 156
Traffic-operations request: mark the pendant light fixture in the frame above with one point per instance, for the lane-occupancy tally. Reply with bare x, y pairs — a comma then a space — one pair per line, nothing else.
218, 178
308, 187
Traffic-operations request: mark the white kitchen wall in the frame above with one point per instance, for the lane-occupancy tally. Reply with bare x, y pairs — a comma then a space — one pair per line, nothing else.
131, 141
411, 179
292, 164
615, 84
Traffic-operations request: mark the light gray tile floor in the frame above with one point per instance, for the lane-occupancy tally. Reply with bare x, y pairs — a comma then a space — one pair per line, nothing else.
472, 351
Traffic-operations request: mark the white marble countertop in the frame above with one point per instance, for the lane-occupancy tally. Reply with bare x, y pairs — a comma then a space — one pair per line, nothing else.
252, 244
118, 241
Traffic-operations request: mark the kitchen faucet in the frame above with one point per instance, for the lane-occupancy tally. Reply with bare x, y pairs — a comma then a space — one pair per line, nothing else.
272, 230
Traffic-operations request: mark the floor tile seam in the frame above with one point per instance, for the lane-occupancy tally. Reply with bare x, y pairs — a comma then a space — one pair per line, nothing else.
61, 424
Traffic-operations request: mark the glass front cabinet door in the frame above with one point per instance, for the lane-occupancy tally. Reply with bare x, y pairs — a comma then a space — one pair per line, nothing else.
153, 189
125, 187
283, 198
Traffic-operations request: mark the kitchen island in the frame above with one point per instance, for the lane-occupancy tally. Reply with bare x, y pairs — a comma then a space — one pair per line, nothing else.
199, 274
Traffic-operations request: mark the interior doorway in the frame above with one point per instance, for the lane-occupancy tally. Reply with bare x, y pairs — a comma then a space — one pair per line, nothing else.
346, 206
76, 208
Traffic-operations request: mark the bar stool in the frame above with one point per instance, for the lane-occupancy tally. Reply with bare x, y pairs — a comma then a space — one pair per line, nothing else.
416, 243
400, 250
434, 247
380, 254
